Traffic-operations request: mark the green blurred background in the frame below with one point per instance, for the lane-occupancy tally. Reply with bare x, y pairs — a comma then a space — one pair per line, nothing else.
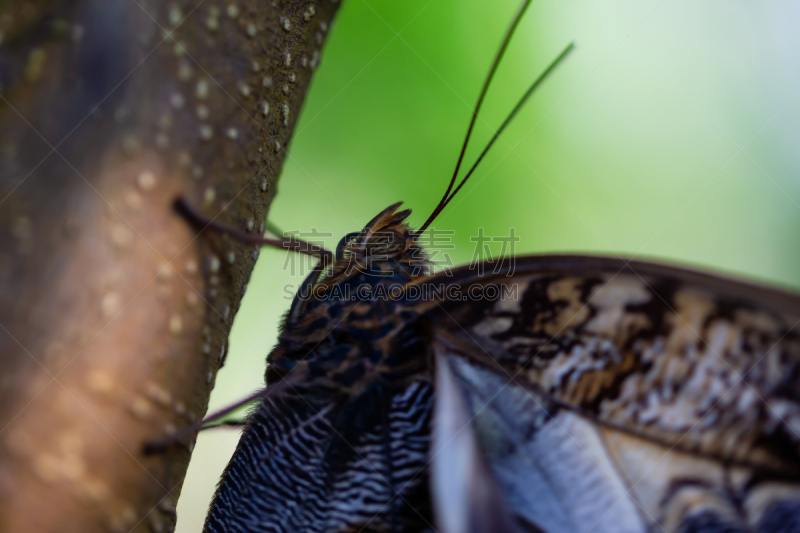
671, 132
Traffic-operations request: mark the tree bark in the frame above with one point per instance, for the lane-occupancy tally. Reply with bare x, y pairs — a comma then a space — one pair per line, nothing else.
114, 315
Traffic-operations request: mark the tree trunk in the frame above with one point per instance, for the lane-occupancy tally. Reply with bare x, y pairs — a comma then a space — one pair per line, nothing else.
114, 316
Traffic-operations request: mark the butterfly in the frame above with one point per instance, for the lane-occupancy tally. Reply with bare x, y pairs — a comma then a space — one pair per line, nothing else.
554, 393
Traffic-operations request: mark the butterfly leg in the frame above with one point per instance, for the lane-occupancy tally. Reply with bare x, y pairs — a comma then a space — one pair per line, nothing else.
215, 419
201, 223
272, 228
236, 423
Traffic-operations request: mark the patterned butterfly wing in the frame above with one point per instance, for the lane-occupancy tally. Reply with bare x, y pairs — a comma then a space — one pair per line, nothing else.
468, 495
614, 396
314, 461
265, 471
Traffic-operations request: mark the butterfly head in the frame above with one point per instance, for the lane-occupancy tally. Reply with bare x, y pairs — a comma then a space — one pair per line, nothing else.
369, 265
385, 245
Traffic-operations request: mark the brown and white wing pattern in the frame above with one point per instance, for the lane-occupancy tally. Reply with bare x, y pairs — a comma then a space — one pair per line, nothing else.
553, 470
631, 397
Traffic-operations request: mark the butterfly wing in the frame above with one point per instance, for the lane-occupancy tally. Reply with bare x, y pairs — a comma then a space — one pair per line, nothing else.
314, 460
614, 397
265, 471
467, 495
552, 470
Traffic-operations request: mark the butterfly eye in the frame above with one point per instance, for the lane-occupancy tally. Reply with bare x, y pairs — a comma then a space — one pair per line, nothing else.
347, 239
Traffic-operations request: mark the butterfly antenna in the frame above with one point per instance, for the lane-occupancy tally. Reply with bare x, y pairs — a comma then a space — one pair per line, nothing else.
511, 115
498, 57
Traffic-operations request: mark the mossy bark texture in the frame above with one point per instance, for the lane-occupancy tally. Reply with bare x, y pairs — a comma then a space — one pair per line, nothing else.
114, 315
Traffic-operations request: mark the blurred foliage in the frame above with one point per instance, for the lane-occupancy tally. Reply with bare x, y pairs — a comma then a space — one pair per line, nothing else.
670, 133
